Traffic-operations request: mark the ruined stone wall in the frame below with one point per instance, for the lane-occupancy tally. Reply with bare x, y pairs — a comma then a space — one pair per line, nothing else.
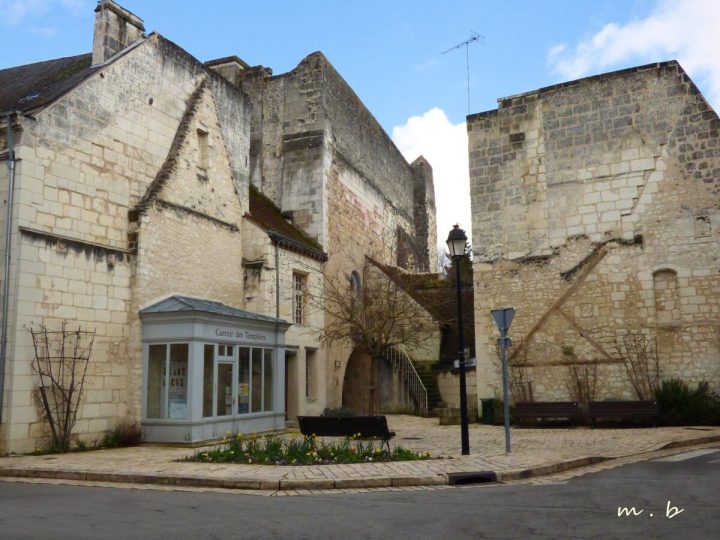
309, 120
86, 161
595, 213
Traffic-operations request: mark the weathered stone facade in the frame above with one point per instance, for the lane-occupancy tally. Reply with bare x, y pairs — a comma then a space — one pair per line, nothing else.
324, 160
595, 214
133, 174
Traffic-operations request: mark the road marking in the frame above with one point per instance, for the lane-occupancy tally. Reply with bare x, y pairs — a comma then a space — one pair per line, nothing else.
689, 455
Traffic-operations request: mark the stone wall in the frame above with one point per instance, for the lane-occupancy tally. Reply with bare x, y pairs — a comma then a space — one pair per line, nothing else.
85, 163
595, 215
308, 121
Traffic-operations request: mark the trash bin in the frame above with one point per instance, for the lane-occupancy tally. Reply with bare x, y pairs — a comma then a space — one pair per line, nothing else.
487, 411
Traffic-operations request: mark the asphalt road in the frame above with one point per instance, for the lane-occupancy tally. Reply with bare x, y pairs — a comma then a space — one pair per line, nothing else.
678, 498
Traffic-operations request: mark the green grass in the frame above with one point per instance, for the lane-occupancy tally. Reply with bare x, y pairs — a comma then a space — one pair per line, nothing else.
307, 451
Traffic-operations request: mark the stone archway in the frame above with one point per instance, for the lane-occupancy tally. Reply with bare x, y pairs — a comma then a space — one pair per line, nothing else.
358, 390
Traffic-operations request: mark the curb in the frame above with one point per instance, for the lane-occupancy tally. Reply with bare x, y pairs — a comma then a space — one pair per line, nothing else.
455, 478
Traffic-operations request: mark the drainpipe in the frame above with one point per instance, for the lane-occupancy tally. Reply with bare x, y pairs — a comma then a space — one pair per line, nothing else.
277, 325
6, 260
277, 279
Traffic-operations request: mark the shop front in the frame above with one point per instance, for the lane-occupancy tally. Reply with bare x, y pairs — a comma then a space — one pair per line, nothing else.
210, 369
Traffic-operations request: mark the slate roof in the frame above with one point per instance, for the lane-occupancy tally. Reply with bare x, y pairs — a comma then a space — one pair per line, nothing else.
264, 212
29, 87
178, 303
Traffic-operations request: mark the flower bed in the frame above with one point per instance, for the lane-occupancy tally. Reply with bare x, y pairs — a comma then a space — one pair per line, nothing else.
307, 451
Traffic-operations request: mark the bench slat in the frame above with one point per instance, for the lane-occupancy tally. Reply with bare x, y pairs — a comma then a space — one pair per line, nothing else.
546, 409
622, 408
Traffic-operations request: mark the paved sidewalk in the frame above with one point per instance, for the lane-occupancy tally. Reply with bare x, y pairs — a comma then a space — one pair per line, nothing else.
535, 452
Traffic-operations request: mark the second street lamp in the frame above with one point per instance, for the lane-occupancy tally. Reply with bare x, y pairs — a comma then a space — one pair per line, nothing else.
456, 246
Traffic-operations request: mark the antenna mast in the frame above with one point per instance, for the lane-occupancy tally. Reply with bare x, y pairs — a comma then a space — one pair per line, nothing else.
474, 36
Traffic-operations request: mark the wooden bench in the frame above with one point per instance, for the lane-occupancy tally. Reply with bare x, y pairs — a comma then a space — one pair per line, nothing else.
363, 427
533, 410
623, 409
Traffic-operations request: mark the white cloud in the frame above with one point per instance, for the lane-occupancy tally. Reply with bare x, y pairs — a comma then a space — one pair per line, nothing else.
16, 11
43, 31
683, 29
444, 145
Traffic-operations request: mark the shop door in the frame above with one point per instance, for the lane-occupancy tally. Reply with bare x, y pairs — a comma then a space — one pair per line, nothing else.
226, 397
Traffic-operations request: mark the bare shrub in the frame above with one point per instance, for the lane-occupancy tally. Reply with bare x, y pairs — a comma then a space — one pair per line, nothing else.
518, 372
125, 433
638, 353
582, 382
61, 360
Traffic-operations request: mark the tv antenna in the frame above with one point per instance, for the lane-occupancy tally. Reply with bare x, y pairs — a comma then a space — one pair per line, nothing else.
474, 36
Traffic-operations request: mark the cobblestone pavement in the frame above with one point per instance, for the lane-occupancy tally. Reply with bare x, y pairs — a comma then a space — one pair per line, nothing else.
534, 452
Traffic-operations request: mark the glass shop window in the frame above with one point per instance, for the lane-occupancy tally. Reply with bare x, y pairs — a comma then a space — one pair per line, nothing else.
224, 390
208, 376
167, 384
268, 381
256, 383
156, 381
244, 380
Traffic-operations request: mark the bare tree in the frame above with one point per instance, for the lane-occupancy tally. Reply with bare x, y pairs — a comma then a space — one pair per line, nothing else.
61, 360
372, 309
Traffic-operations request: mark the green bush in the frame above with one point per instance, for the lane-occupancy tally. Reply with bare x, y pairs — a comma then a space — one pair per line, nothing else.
125, 433
281, 451
499, 413
678, 404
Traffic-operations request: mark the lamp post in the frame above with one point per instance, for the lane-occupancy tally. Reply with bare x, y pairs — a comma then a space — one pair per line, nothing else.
456, 246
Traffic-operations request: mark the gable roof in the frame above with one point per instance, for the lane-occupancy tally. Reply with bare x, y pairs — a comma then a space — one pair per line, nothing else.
178, 303
264, 213
29, 87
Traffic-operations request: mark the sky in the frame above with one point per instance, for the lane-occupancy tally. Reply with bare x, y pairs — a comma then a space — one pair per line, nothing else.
391, 53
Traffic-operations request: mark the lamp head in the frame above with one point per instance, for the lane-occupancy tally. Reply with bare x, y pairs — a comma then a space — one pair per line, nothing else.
456, 242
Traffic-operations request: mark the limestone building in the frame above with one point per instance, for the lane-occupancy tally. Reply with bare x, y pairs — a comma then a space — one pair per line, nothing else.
595, 214
184, 211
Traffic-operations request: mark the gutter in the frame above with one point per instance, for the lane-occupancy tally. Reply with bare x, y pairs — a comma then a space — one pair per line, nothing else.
6, 259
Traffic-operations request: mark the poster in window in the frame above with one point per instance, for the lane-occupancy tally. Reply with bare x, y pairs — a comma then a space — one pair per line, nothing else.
177, 393
243, 398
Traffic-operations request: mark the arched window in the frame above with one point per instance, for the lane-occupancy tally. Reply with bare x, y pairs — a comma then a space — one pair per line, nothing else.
356, 284
667, 297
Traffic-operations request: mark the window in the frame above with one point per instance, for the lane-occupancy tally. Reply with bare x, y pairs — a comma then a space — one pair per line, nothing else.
703, 227
232, 384
268, 380
167, 381
203, 160
244, 381
355, 284
208, 376
256, 381
299, 285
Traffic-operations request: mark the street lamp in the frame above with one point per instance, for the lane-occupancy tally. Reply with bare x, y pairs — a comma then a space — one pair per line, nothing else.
456, 242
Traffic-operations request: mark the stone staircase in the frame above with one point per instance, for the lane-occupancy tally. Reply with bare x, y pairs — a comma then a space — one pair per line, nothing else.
428, 376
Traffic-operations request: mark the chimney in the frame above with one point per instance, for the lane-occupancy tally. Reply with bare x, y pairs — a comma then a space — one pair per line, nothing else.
115, 29
231, 68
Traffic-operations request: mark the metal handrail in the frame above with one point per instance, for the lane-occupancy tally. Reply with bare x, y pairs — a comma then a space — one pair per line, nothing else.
412, 383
